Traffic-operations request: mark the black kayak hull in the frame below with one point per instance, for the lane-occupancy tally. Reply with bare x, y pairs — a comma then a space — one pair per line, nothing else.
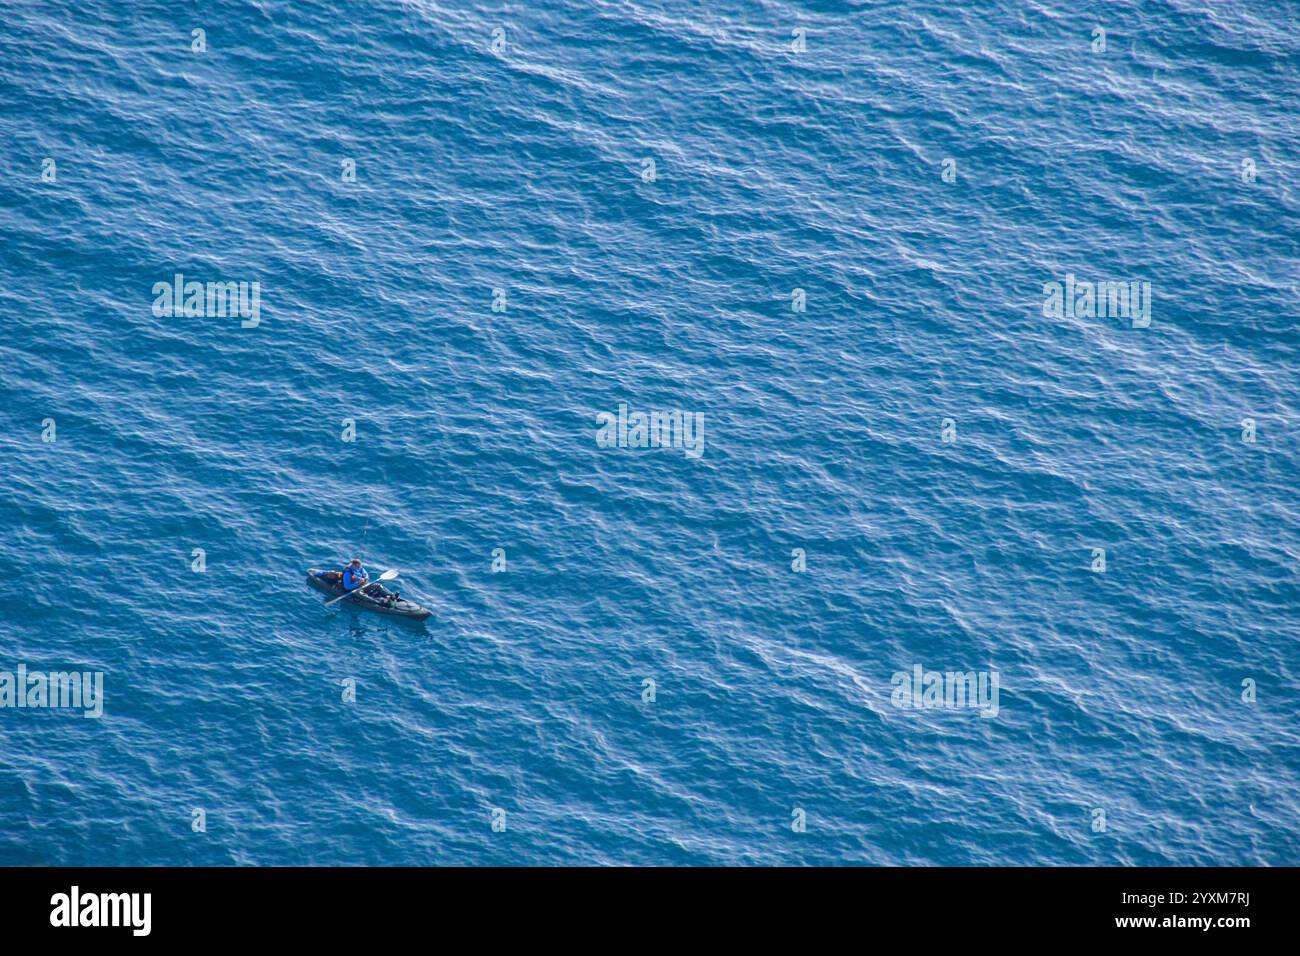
401, 608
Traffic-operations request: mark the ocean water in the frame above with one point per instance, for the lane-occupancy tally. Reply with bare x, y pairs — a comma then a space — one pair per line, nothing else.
944, 453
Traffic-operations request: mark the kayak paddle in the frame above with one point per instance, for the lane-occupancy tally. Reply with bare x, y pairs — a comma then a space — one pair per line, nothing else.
386, 576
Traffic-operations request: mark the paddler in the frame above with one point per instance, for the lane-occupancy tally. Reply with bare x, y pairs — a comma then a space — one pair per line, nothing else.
355, 576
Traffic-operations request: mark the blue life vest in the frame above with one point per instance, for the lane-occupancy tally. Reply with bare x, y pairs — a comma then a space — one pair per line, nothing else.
352, 577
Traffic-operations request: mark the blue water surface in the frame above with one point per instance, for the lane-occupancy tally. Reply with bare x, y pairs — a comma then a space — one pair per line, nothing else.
795, 145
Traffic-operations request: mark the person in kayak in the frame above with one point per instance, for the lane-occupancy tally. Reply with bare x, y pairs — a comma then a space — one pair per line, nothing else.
355, 576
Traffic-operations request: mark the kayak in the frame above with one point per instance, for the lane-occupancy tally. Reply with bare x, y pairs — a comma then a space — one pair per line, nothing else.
376, 598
